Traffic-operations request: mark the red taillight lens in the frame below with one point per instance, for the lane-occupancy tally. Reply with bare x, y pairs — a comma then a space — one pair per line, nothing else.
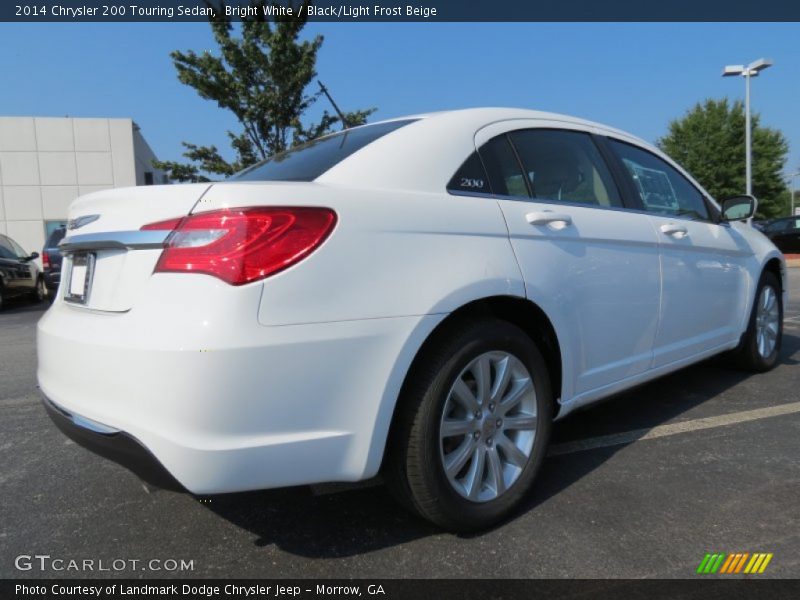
240, 245
46, 260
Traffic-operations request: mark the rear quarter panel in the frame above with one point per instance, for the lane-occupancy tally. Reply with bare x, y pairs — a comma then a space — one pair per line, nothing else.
391, 254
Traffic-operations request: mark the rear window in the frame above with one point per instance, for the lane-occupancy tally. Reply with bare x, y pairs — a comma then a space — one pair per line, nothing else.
308, 161
55, 237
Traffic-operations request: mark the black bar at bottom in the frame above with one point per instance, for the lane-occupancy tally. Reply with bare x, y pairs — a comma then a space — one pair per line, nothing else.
408, 589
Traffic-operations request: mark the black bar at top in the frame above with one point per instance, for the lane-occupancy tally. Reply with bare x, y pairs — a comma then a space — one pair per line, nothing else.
413, 10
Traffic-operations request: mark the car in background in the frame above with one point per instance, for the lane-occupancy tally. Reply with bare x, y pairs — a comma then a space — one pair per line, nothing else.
418, 298
760, 225
19, 275
784, 233
51, 262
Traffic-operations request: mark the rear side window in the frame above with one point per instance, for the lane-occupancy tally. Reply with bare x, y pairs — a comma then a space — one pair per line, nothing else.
308, 161
503, 167
565, 166
55, 237
470, 177
662, 188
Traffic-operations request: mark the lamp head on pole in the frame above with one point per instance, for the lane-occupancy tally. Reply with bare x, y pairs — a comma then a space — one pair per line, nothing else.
751, 70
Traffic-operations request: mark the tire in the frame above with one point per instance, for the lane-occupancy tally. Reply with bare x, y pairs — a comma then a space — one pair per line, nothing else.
469, 498
755, 352
40, 292
2, 298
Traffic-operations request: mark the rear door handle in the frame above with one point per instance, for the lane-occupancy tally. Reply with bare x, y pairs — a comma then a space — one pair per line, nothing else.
676, 231
548, 217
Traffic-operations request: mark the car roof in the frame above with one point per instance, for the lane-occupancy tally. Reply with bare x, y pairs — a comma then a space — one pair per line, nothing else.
425, 153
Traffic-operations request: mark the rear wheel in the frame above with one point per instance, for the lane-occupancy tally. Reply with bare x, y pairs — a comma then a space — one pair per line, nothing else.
472, 427
761, 343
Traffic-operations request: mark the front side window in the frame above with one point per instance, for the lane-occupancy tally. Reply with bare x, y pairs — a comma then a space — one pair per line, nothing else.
308, 161
661, 188
778, 226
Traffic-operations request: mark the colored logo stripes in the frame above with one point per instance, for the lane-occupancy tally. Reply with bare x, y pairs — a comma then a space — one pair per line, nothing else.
740, 562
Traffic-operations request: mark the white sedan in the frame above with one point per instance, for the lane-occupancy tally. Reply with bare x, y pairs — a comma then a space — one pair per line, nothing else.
419, 298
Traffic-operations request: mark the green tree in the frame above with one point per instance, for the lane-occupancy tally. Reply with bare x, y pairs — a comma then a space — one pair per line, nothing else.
709, 140
261, 74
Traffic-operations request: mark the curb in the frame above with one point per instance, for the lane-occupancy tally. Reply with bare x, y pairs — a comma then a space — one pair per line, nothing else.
792, 260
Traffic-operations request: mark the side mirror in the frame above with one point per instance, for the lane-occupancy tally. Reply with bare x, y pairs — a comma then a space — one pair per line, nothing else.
33, 256
738, 208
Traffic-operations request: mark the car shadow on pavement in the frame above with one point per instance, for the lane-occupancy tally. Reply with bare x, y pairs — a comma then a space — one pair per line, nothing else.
17, 306
363, 520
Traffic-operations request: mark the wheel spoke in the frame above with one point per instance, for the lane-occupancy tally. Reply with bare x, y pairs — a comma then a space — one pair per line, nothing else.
526, 422
474, 479
464, 395
514, 455
454, 427
496, 470
771, 300
482, 371
502, 378
455, 461
516, 394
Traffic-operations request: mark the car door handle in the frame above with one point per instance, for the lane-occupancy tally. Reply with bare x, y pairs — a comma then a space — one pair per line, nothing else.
676, 231
548, 217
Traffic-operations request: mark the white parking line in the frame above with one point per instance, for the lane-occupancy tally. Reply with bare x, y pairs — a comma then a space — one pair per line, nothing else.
617, 439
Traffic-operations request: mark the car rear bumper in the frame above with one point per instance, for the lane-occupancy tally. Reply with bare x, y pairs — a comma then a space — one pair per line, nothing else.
226, 404
112, 444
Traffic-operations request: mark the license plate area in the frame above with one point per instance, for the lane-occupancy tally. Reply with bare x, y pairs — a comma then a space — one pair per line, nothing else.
79, 280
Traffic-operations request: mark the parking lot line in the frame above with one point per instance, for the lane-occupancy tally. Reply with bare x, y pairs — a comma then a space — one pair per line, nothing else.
626, 437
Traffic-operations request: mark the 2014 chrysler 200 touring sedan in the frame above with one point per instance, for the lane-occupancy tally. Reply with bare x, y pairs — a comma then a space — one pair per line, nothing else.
420, 296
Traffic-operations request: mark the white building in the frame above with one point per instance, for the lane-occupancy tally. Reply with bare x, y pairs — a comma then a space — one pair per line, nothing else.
45, 163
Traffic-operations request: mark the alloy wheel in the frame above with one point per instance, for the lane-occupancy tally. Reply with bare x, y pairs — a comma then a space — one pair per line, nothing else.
767, 321
488, 426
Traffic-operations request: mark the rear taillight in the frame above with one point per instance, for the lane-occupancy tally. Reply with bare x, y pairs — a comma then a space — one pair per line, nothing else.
240, 245
45, 259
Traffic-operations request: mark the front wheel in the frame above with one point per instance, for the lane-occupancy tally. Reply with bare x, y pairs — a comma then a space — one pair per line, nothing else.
39, 292
761, 343
473, 426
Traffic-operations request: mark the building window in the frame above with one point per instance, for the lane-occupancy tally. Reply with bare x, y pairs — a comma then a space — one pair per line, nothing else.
148, 178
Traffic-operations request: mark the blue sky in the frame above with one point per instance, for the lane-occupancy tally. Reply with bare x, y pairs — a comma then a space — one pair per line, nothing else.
632, 76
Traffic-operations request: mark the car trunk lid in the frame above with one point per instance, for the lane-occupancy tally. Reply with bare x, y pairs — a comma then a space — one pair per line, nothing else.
108, 259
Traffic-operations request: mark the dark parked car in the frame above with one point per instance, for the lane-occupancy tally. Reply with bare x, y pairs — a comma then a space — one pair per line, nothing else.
785, 234
761, 225
51, 261
19, 275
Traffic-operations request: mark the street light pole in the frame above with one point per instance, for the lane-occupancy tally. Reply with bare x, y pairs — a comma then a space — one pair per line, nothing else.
747, 72
748, 144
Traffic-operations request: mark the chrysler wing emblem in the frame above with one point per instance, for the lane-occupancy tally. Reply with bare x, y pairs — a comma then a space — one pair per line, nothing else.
79, 222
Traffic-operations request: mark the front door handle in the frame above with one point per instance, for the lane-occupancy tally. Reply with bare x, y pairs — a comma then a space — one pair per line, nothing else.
674, 230
548, 217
